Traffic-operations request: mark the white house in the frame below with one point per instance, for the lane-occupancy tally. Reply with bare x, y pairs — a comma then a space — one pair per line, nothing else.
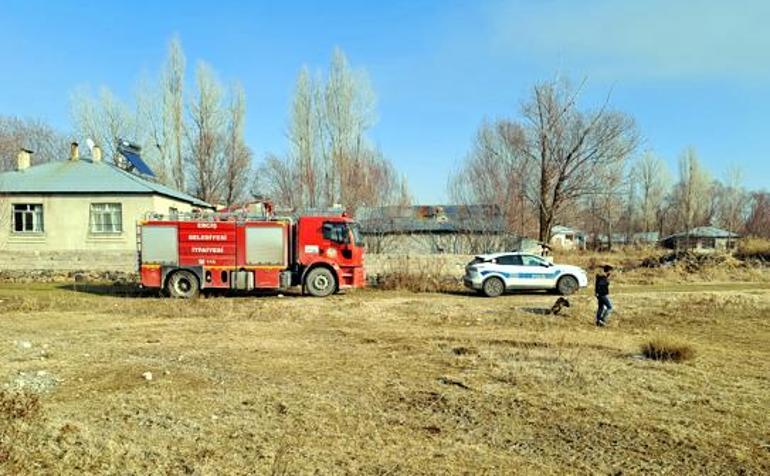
79, 213
567, 238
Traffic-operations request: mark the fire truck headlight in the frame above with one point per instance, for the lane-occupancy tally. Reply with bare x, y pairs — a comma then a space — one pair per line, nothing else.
331, 253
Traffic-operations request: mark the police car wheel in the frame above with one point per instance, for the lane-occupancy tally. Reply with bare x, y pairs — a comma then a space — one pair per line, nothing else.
493, 287
567, 285
182, 284
320, 282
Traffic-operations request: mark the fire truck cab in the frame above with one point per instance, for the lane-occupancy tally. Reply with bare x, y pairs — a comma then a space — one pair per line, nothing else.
184, 255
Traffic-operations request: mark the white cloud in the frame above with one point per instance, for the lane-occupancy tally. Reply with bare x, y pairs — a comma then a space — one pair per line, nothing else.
647, 38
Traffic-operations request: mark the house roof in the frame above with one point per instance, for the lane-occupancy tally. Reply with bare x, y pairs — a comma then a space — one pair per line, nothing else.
431, 219
704, 232
85, 176
643, 237
560, 229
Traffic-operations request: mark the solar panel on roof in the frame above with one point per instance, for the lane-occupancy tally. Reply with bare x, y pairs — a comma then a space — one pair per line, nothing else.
134, 158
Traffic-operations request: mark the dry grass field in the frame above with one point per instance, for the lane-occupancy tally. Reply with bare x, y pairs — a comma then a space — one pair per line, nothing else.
384, 382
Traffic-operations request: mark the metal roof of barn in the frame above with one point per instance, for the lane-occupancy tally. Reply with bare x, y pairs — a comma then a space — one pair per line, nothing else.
411, 225
704, 232
431, 219
563, 230
85, 176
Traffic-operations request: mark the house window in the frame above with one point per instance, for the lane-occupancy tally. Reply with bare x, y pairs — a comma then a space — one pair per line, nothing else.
28, 218
106, 218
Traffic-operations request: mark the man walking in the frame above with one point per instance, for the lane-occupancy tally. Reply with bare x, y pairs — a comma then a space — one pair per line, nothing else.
602, 289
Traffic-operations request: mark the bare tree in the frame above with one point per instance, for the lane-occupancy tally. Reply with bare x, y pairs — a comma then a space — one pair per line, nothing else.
348, 112
103, 118
276, 178
205, 134
495, 174
560, 149
566, 147
733, 200
758, 221
604, 212
155, 122
653, 181
330, 158
15, 133
149, 130
404, 196
691, 195
172, 86
237, 153
304, 138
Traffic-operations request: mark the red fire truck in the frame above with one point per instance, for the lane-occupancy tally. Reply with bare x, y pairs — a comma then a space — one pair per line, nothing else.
183, 255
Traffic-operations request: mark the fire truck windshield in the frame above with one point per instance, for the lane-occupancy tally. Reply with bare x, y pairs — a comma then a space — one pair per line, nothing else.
339, 232
355, 229
336, 232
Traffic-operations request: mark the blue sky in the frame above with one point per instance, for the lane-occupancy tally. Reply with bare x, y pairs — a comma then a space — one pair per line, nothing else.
690, 72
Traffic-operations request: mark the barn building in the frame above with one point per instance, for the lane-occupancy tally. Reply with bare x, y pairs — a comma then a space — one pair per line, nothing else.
702, 238
432, 229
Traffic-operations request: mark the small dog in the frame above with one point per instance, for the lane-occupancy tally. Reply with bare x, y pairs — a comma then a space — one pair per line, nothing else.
560, 303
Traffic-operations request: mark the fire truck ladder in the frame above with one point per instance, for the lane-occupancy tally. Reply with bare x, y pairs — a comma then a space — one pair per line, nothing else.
214, 217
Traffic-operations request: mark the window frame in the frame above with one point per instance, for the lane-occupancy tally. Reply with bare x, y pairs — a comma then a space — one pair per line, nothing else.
538, 261
516, 258
92, 223
338, 232
32, 210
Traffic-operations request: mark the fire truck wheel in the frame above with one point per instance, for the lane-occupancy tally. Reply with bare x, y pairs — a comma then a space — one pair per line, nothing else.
320, 282
182, 284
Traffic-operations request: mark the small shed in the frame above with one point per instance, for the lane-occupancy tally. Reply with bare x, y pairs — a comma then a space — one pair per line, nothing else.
567, 238
702, 238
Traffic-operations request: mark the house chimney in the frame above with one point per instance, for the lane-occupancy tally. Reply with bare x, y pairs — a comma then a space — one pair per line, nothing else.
74, 151
96, 154
23, 159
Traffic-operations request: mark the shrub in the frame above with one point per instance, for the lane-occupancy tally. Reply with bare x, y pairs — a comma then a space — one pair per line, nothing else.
753, 248
17, 406
667, 349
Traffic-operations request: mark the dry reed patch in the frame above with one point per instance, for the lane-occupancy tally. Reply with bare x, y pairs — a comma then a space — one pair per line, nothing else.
18, 405
20, 413
667, 349
753, 249
418, 274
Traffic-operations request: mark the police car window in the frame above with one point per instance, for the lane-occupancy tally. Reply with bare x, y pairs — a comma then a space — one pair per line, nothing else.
514, 260
533, 261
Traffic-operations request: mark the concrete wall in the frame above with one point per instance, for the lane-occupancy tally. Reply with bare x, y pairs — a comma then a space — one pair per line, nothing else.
66, 242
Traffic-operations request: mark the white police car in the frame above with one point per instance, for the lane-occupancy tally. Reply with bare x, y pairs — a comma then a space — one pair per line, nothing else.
493, 274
